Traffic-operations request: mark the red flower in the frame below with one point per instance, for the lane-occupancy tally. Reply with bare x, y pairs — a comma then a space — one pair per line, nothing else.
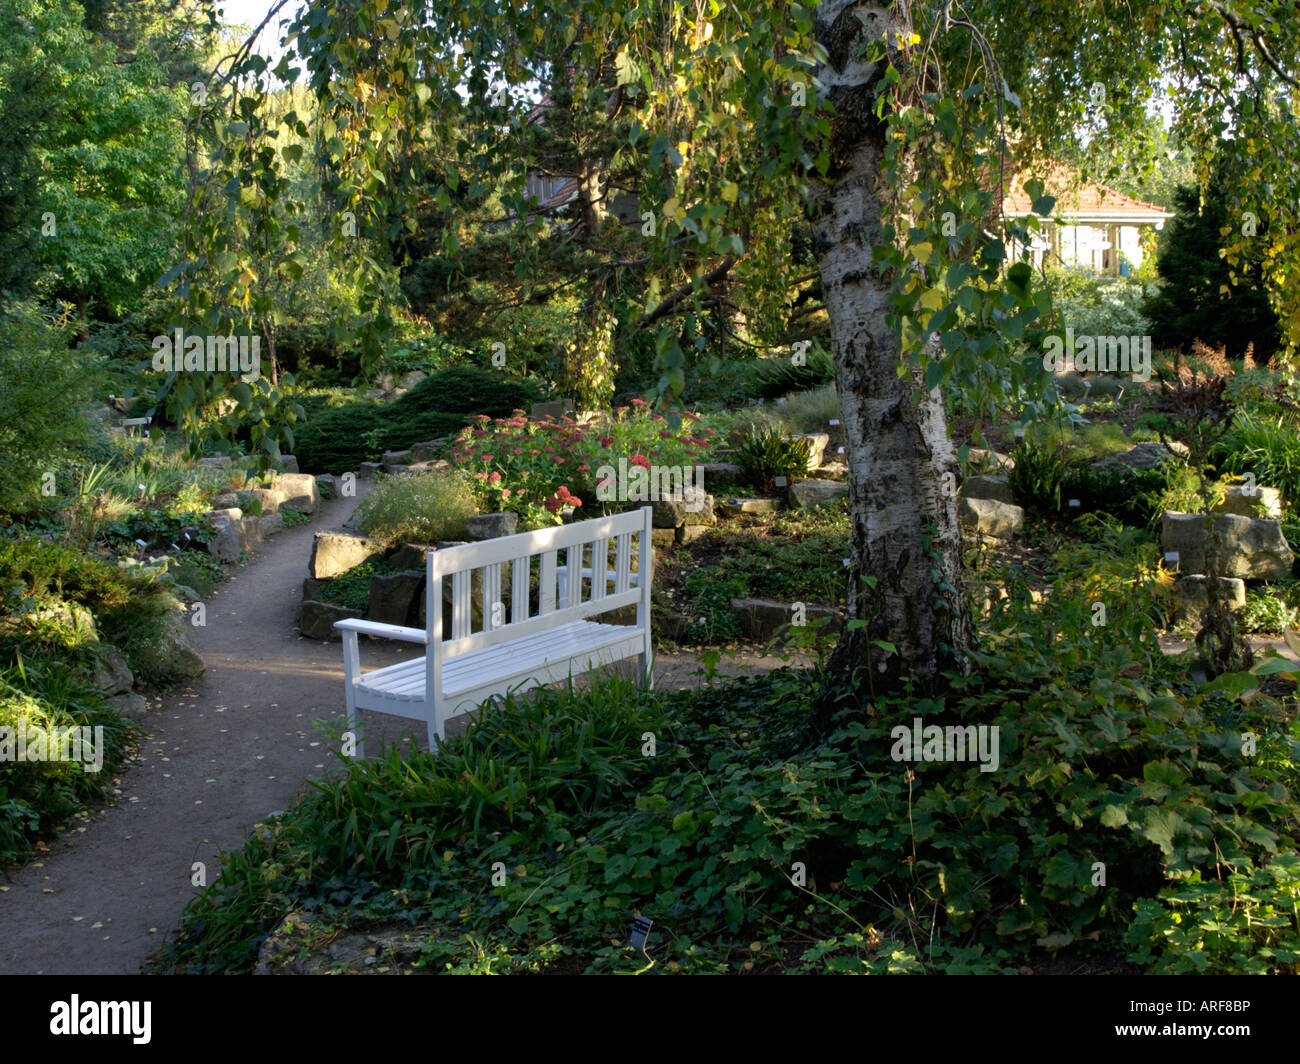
664, 434
639, 402
517, 450
641, 460
606, 441
584, 469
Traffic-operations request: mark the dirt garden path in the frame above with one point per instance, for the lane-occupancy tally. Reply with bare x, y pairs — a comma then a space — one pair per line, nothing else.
217, 756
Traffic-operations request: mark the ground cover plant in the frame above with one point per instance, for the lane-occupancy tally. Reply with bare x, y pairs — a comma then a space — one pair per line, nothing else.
1121, 824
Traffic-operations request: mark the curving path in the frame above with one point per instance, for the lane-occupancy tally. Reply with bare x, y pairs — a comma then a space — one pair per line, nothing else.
216, 757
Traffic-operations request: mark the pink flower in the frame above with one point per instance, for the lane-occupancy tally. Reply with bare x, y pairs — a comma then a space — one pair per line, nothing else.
639, 402
494, 478
550, 450
604, 482
505, 493
641, 460
480, 432
479, 476
517, 450
664, 434
584, 469
480, 417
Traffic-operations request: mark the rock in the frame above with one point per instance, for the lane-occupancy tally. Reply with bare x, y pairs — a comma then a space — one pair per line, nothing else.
328, 481
227, 500
817, 447
110, 675
557, 409
1251, 549
394, 597
412, 379
409, 556
721, 475
978, 458
336, 550
314, 590
177, 650
424, 467
837, 470
668, 512
290, 463
761, 505
316, 620
392, 459
761, 619
663, 537
268, 525
1193, 598
228, 542
396, 468
269, 499
369, 469
491, 526
130, 705
299, 491
427, 451
1263, 502
998, 520
443, 544
669, 624
810, 494
690, 533
219, 461
1139, 458
997, 488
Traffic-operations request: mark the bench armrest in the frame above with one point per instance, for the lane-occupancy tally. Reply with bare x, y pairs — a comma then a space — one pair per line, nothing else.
386, 631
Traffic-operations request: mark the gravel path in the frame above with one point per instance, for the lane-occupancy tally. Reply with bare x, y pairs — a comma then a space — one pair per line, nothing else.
217, 756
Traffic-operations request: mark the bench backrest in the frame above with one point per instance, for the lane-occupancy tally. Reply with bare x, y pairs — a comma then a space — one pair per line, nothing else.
487, 574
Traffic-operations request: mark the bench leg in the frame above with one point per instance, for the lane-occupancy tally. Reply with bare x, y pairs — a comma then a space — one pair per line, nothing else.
646, 662
351, 673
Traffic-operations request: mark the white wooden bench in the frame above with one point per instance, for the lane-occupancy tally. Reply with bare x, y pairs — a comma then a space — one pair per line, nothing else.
463, 668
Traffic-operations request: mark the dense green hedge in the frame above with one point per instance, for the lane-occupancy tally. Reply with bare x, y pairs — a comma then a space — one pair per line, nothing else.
343, 431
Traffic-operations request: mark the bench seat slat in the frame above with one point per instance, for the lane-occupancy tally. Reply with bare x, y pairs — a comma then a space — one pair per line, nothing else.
517, 658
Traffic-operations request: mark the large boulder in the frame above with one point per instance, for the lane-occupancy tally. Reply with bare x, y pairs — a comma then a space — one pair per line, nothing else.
394, 597
290, 463
1262, 502
228, 541
810, 494
760, 505
997, 488
427, 451
130, 705
337, 550
980, 458
110, 674
177, 650
1250, 549
1139, 458
491, 526
1192, 594
300, 492
997, 520
409, 556
721, 475
268, 500
817, 442
316, 620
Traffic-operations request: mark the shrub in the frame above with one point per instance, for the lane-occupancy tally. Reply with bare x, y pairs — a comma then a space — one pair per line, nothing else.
36, 795
417, 507
343, 431
1267, 446
765, 454
813, 411
42, 387
774, 377
1042, 465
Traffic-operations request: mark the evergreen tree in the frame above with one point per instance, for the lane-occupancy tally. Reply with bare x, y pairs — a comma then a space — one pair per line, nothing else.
1191, 303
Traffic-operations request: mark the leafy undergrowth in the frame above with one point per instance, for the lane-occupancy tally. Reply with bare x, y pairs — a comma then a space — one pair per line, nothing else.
1123, 829
791, 556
